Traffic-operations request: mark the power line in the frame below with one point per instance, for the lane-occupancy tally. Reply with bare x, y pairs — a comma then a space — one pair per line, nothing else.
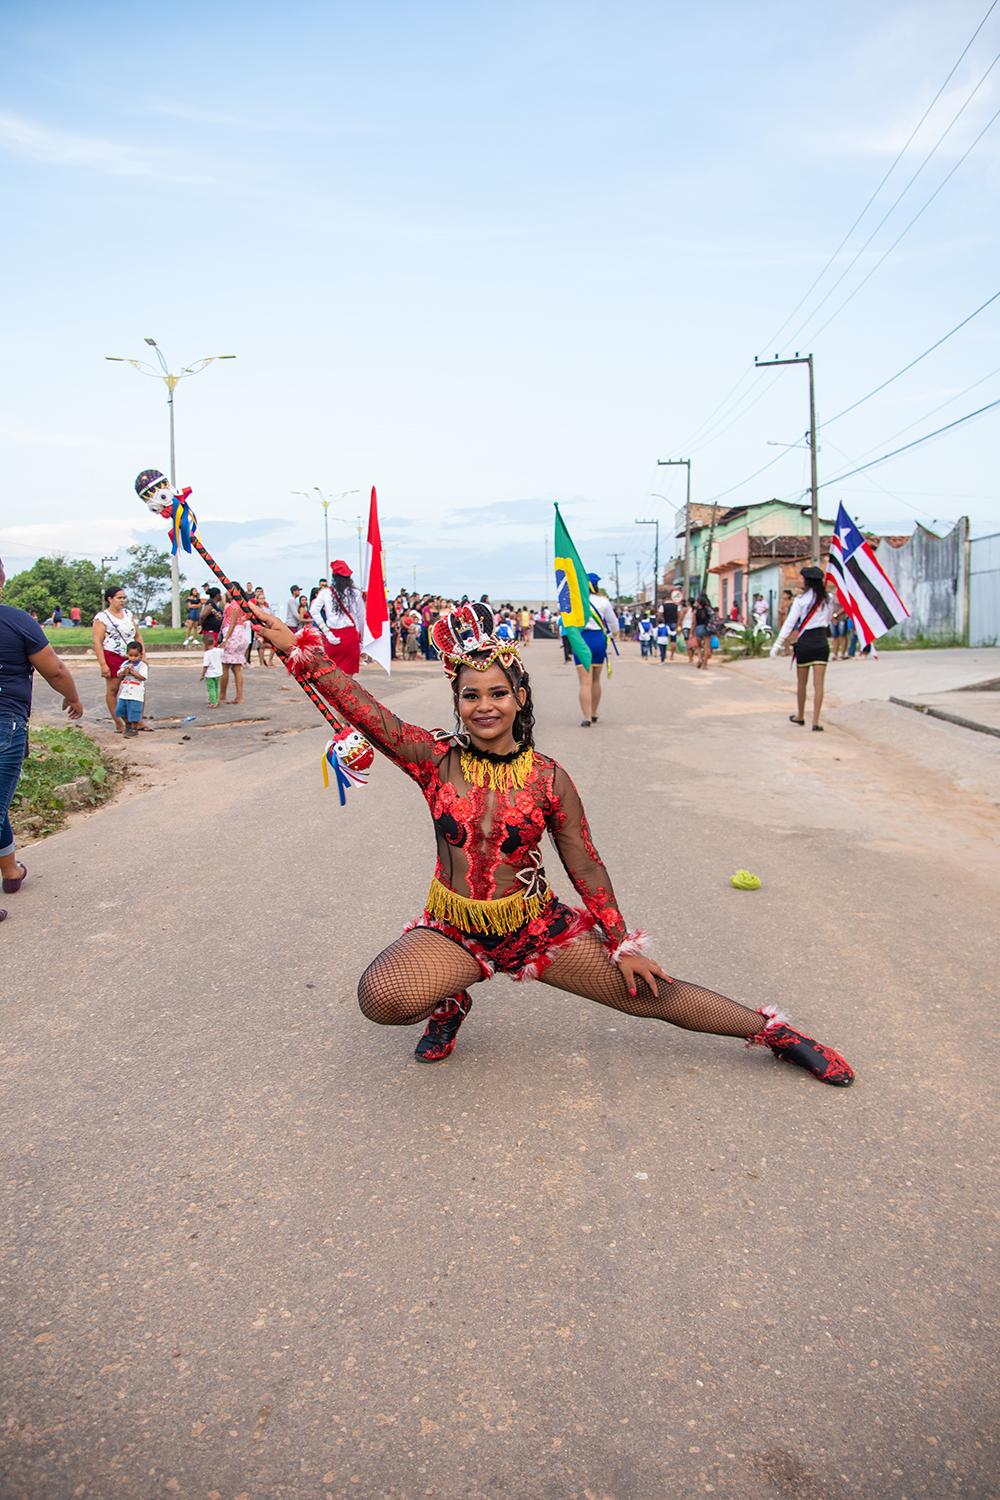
920, 211
933, 411
709, 420
917, 442
943, 340
892, 208
902, 152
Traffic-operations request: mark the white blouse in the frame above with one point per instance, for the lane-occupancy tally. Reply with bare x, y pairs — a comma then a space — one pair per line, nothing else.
821, 618
328, 615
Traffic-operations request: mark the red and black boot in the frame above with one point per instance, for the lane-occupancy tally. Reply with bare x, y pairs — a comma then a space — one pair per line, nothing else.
789, 1045
438, 1040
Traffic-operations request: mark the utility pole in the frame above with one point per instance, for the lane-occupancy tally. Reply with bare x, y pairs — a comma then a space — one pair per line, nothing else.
638, 579
618, 587
708, 550
805, 359
656, 555
664, 463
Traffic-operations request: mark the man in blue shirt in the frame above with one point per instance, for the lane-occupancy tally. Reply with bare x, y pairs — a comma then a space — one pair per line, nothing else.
24, 650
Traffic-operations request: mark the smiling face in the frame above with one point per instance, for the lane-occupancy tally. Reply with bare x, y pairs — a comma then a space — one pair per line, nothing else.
487, 707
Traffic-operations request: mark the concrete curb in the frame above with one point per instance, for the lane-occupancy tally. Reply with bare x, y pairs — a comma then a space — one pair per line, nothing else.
939, 713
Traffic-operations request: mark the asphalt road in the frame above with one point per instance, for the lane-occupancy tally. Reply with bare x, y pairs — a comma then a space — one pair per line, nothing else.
252, 1249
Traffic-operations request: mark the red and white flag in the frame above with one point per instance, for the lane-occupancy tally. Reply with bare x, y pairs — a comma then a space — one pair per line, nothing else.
375, 641
863, 587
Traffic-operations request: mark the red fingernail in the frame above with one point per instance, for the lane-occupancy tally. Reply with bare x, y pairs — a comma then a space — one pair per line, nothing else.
631, 992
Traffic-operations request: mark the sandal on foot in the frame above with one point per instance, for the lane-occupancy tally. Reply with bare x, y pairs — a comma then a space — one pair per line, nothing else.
584, 723
14, 883
817, 729
793, 720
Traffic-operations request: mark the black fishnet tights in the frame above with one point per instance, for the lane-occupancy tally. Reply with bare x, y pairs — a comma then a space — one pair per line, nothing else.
414, 974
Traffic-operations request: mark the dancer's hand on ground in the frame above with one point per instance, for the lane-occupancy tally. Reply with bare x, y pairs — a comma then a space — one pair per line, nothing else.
271, 628
634, 967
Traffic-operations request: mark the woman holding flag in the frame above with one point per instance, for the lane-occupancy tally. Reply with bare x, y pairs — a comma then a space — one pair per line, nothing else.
339, 613
595, 638
492, 796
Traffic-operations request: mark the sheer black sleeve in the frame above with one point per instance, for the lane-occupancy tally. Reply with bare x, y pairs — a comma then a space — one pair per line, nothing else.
568, 827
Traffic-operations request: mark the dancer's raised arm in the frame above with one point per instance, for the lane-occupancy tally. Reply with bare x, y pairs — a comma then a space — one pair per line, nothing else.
407, 745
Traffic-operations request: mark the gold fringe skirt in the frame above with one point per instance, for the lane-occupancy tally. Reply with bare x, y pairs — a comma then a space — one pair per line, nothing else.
506, 915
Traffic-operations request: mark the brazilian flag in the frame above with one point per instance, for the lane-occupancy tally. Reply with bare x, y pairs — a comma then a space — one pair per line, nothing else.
572, 592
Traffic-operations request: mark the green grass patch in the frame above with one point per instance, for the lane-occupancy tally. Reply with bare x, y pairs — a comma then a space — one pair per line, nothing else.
58, 755
893, 642
71, 635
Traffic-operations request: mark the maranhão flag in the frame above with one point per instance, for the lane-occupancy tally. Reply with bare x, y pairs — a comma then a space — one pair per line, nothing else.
863, 587
375, 641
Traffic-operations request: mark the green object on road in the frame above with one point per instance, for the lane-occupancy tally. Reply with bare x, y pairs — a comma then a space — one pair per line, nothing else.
744, 881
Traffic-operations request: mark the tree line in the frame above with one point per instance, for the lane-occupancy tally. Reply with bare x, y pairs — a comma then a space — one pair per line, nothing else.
66, 581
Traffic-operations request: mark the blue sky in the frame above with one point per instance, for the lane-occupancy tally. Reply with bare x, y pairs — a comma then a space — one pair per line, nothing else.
484, 257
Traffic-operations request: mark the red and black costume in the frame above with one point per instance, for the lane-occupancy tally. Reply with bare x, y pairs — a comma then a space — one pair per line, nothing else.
490, 896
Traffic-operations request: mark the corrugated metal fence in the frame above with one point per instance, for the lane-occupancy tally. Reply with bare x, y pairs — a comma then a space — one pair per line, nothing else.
929, 573
984, 590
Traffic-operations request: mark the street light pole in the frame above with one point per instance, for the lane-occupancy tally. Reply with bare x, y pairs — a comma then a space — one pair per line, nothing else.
664, 463
805, 359
103, 561
656, 556
171, 382
344, 521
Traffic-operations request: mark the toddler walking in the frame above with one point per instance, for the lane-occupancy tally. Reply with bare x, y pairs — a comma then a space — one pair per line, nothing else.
132, 676
211, 672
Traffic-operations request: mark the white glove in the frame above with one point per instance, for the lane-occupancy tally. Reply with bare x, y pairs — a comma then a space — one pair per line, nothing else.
774, 650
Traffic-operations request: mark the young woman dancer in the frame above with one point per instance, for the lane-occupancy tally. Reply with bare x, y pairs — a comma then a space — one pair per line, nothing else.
811, 615
492, 796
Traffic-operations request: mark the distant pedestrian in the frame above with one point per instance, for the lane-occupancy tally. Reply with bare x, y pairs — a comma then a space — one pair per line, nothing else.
234, 640
74, 616
339, 611
293, 612
645, 634
132, 676
24, 650
703, 617
265, 651
687, 628
192, 616
211, 672
210, 619
671, 611
113, 629
595, 637
810, 616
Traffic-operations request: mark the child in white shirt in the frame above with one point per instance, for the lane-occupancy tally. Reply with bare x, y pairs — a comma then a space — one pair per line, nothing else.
211, 672
132, 676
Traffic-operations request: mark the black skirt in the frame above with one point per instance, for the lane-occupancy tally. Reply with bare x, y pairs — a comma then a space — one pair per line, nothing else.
812, 646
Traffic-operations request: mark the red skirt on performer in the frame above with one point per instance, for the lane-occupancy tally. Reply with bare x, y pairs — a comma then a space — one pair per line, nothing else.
347, 651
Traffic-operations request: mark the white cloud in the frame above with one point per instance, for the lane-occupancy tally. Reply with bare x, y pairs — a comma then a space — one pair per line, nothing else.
62, 439
63, 148
93, 536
